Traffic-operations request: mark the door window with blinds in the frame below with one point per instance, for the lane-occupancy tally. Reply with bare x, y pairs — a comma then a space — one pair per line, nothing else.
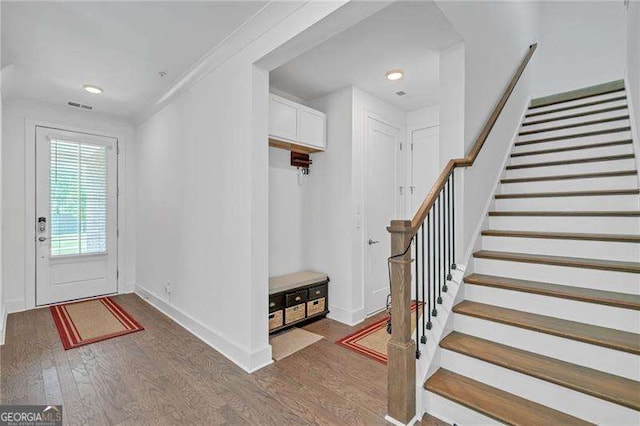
79, 190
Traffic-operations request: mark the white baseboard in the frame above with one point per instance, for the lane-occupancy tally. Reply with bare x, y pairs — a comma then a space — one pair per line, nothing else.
346, 316
393, 421
248, 361
15, 305
3, 323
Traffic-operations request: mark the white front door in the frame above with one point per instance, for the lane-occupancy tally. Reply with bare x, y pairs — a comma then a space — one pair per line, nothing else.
382, 147
425, 163
76, 215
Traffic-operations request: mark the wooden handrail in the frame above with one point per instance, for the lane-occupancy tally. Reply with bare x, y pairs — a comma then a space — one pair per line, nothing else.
470, 158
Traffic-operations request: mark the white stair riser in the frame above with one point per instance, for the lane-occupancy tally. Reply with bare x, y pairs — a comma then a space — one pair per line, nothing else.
570, 155
615, 182
583, 140
567, 309
622, 282
600, 358
451, 412
603, 225
574, 130
548, 394
570, 169
575, 120
597, 107
629, 252
602, 202
580, 102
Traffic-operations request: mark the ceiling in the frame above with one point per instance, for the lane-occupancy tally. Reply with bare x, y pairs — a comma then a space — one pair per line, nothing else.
51, 49
406, 35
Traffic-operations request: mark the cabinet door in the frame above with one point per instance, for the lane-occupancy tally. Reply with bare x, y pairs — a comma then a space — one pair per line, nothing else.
312, 129
283, 118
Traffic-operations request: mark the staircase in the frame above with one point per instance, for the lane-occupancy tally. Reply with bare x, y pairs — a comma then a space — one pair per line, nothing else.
547, 332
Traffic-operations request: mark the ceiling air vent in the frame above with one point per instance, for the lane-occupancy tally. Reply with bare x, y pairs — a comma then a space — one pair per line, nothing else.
401, 93
77, 105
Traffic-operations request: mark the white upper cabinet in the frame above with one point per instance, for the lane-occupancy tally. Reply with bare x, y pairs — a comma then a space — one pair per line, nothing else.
297, 124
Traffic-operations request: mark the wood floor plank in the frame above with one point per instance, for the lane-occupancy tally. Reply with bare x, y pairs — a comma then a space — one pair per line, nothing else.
495, 403
610, 298
581, 379
592, 334
165, 375
574, 262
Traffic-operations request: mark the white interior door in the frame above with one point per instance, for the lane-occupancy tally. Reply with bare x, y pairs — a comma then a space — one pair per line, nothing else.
425, 164
382, 198
76, 215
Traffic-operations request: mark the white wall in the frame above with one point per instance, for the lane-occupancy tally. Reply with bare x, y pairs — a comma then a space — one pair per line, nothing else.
632, 73
581, 44
328, 199
286, 231
19, 289
496, 35
203, 204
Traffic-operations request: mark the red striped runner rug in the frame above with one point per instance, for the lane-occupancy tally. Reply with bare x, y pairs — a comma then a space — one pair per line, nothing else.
371, 341
90, 321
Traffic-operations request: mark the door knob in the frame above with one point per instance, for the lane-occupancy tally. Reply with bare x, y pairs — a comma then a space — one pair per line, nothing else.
42, 239
371, 242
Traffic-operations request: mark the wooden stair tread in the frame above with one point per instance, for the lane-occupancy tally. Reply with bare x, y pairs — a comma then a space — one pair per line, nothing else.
621, 238
598, 213
604, 192
574, 262
495, 403
573, 148
575, 135
573, 125
571, 161
577, 94
583, 105
602, 297
576, 115
609, 387
573, 176
592, 334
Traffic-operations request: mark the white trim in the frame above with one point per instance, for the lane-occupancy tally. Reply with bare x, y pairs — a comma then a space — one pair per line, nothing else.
29, 301
248, 361
483, 218
345, 316
15, 305
399, 423
633, 123
3, 323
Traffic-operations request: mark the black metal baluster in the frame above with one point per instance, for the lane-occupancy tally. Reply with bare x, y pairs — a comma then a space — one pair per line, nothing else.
417, 301
423, 339
436, 270
442, 243
439, 247
453, 221
429, 325
449, 276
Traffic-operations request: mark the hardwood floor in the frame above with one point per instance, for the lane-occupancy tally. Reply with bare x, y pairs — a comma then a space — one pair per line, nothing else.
165, 375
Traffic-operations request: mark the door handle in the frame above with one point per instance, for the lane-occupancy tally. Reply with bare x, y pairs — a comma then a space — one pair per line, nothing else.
42, 239
372, 242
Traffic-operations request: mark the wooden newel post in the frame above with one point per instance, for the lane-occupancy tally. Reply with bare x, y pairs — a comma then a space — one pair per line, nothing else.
401, 349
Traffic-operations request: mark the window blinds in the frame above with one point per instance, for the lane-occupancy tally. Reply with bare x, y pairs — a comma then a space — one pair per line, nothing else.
78, 198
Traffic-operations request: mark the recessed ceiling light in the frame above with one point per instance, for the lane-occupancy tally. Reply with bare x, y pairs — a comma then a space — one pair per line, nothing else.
92, 89
394, 75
